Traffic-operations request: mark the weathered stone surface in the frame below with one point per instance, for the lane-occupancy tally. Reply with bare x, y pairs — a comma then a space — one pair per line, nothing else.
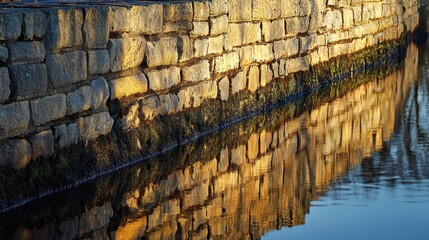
162, 52
218, 7
15, 153
78, 100
196, 72
333, 20
137, 19
266, 74
66, 135
223, 86
64, 29
244, 33
126, 53
67, 68
184, 48
4, 84
253, 79
266, 9
286, 48
176, 27
29, 79
206, 46
240, 11
218, 25
127, 86
347, 18
34, 26
98, 62
10, 26
96, 27
14, 119
193, 96
99, 93
27, 52
274, 30
200, 29
201, 11
4, 53
42, 144
227, 62
246, 55
238, 82
297, 25
95, 125
263, 53
164, 78
178, 12
296, 64
153, 106
44, 110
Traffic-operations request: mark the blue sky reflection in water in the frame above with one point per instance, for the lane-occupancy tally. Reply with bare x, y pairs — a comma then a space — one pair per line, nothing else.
387, 195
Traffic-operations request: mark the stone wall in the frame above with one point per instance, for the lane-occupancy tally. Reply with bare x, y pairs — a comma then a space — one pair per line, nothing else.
62, 70
265, 181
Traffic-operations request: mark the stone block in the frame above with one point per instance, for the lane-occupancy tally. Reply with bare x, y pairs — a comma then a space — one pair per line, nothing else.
297, 65
333, 20
153, 106
308, 42
67, 68
66, 135
206, 46
266, 9
29, 79
137, 19
127, 86
223, 86
10, 26
201, 11
184, 48
98, 62
295, 25
193, 96
15, 153
199, 71
78, 100
178, 12
347, 18
263, 53
42, 144
200, 29
246, 55
162, 52
95, 125
99, 93
244, 33
176, 27
126, 53
286, 48
218, 25
226, 62
238, 82
50, 108
240, 11
4, 53
164, 78
34, 26
274, 30
253, 78
96, 27
26, 52
64, 29
4, 84
218, 7
266, 74
14, 119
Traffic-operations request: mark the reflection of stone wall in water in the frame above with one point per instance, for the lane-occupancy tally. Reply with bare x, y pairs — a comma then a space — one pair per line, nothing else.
268, 182
59, 67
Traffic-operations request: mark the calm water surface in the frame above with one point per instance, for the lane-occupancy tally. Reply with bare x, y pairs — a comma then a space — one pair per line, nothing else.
352, 166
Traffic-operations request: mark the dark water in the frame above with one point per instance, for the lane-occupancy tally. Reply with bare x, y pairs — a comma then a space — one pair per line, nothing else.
340, 165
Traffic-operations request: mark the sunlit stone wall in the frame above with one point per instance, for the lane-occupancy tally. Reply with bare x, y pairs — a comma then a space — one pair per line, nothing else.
59, 66
251, 188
